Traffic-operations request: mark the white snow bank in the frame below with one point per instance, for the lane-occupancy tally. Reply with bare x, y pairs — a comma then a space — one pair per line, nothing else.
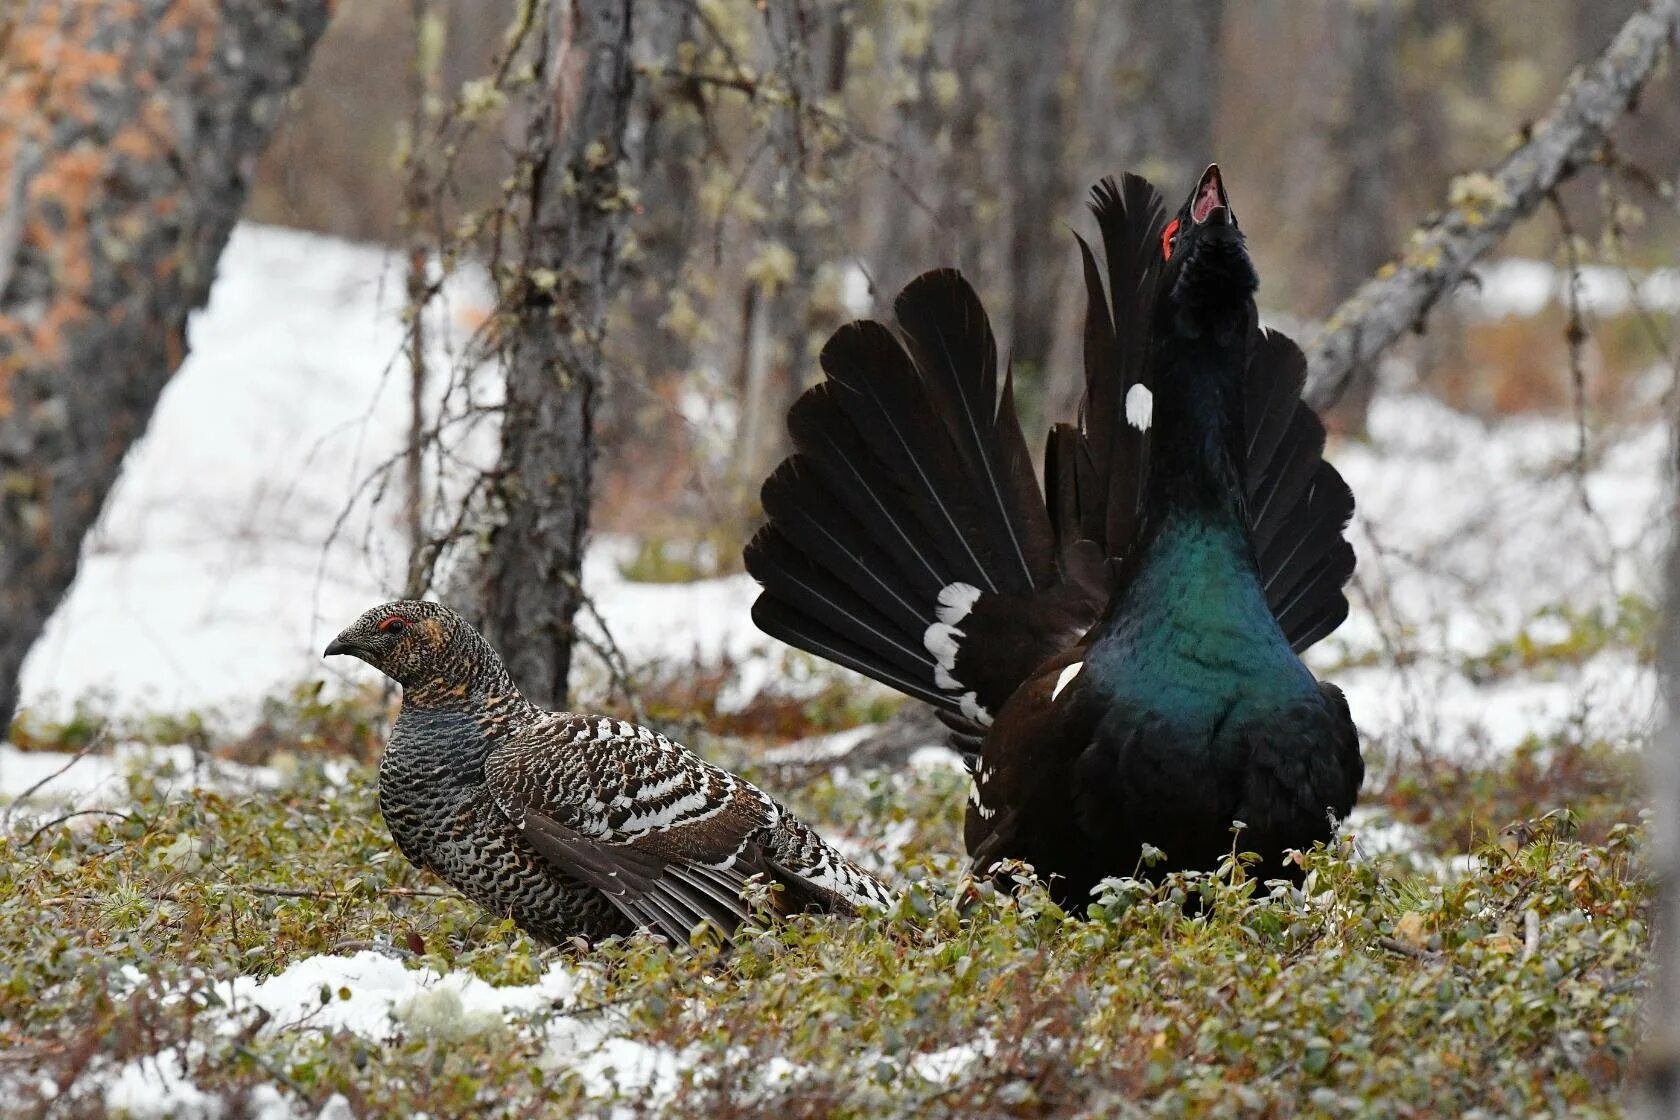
209, 584
386, 999
1469, 534
379, 999
1516, 286
54, 778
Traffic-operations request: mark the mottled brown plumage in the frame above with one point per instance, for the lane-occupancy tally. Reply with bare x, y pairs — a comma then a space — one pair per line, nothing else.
573, 825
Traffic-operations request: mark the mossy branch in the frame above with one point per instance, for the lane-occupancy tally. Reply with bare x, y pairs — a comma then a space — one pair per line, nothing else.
1482, 206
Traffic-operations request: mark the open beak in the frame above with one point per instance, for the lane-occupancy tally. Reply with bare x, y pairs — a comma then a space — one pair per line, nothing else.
1211, 203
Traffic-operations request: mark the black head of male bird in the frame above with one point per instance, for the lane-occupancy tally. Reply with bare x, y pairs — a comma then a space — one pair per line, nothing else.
1117, 655
573, 825
1207, 279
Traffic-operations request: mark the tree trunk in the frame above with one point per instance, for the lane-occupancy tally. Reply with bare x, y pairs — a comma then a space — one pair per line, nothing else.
1174, 64
1357, 186
1035, 176
1658, 1085
1160, 69
807, 46
128, 134
554, 293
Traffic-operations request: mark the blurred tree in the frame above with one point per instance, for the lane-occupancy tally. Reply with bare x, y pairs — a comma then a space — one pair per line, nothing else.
807, 50
1482, 206
556, 267
428, 30
1150, 80
1356, 187
1033, 40
127, 137
1657, 1089
1172, 77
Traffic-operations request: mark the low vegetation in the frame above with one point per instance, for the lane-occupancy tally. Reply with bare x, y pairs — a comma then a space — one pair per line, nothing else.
1507, 982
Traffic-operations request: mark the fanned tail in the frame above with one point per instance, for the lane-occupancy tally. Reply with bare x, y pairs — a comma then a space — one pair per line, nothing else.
908, 528
1096, 471
1298, 504
907, 538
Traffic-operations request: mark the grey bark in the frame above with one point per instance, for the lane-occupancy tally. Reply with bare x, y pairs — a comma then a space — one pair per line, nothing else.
128, 135
422, 88
1171, 69
1442, 251
921, 213
808, 46
1035, 177
554, 293
668, 147
1657, 1086
1359, 184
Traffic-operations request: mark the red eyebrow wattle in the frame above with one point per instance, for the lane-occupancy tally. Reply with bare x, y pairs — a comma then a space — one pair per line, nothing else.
1166, 239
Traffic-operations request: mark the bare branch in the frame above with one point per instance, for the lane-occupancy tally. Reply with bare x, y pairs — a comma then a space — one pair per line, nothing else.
1483, 207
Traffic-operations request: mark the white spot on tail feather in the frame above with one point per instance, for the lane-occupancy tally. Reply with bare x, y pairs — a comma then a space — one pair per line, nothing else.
1140, 407
941, 640
943, 678
955, 601
970, 705
1062, 681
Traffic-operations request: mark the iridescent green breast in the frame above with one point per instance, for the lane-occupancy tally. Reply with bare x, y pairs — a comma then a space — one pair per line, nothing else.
1194, 641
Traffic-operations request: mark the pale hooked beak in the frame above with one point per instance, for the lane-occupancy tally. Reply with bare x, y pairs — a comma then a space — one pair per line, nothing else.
1211, 199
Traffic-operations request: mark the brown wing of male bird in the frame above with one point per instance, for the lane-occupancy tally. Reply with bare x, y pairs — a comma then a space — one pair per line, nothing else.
670, 840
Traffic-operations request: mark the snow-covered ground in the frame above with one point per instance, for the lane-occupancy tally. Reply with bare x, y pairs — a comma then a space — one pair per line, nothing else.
210, 582
226, 560
376, 997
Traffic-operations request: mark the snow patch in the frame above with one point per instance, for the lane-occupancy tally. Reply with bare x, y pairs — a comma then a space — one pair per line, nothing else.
56, 778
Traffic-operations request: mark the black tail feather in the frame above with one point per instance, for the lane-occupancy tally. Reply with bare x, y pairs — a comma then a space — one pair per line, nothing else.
1112, 470
812, 523
951, 343
1298, 505
911, 497
903, 524
790, 624
838, 610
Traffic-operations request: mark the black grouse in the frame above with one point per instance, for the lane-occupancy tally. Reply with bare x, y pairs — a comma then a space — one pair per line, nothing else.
1119, 654
573, 825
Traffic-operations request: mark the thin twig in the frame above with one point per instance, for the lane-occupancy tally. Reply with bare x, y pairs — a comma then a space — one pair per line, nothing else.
85, 749
36, 835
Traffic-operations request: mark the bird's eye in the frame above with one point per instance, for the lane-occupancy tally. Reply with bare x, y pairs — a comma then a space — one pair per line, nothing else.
395, 624
1169, 238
